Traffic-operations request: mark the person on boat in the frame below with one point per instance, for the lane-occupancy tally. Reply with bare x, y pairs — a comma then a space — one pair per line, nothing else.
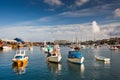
48, 49
56, 50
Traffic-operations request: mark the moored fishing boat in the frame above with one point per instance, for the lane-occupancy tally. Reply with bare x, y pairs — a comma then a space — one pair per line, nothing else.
20, 57
54, 58
55, 55
75, 57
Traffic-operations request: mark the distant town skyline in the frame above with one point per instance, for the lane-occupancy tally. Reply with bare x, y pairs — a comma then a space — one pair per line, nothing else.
39, 20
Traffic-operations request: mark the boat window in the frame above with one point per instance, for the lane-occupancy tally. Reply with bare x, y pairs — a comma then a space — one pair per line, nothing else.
17, 52
22, 52
18, 57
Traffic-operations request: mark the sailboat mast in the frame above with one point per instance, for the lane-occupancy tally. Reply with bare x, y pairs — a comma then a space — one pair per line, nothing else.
77, 38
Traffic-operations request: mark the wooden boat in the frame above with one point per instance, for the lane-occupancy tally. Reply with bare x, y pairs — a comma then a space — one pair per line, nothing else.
101, 58
20, 57
54, 58
75, 57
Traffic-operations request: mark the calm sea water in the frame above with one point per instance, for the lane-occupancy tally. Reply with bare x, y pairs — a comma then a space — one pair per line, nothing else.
38, 68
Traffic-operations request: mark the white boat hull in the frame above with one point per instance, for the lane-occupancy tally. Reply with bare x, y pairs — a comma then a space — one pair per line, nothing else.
54, 58
7, 48
114, 48
100, 58
76, 60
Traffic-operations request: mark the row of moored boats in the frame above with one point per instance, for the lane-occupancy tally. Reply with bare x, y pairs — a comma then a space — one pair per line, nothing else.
54, 55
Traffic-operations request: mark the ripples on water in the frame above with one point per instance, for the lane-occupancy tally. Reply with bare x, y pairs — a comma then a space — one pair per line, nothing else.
38, 68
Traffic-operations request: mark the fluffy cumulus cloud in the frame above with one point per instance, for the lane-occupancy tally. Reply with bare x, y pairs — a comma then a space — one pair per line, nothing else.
96, 28
117, 12
53, 2
81, 2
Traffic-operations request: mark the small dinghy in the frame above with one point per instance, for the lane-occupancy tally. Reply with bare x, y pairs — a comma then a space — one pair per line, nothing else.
101, 58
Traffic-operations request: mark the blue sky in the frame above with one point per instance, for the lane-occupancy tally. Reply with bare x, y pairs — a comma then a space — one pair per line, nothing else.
59, 19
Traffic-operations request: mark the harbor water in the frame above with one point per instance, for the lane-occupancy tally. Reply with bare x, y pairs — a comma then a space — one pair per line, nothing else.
38, 68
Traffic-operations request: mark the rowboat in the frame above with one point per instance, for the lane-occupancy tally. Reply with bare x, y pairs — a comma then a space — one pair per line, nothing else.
101, 58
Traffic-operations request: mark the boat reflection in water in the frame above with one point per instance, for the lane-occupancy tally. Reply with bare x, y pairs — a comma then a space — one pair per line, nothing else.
19, 68
75, 68
55, 68
105, 64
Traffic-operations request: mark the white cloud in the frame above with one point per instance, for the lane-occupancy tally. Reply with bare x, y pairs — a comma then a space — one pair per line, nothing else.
96, 28
78, 13
65, 32
105, 9
93, 11
44, 19
53, 2
117, 12
111, 29
81, 2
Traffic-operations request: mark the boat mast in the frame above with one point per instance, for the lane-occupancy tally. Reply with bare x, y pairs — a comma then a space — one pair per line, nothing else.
77, 38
